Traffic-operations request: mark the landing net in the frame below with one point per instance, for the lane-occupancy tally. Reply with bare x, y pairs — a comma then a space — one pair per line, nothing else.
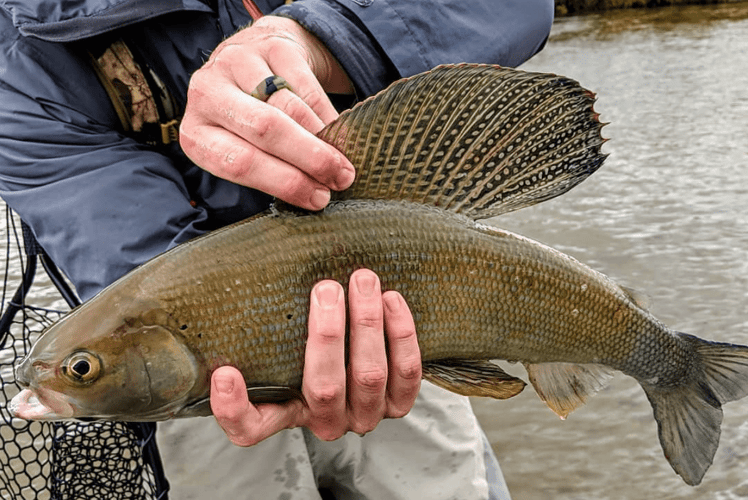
69, 460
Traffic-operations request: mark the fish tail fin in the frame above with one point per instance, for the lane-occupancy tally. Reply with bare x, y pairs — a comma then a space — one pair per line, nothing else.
689, 415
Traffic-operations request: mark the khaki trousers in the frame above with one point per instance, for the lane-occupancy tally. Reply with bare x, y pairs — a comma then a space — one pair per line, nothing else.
438, 451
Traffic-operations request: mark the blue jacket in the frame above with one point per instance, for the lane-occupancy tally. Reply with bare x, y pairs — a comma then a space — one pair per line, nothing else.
99, 202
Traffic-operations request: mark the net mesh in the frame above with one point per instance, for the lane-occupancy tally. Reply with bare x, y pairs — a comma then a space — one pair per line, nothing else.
68, 460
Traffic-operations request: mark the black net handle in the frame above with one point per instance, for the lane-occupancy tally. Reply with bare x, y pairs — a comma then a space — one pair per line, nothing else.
34, 254
32, 250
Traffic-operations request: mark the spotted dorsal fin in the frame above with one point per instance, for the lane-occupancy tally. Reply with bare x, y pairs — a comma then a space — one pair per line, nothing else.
480, 140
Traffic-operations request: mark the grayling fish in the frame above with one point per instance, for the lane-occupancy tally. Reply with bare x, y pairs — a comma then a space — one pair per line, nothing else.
434, 154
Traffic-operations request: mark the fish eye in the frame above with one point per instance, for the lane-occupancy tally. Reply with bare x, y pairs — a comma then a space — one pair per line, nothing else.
82, 367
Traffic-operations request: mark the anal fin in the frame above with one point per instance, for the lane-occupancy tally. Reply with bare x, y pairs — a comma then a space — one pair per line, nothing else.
564, 387
472, 378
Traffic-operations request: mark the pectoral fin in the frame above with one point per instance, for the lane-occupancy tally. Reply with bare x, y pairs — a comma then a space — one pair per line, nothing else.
273, 394
257, 395
472, 378
564, 387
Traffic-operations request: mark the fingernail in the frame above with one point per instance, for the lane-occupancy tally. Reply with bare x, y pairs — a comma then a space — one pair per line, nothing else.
320, 198
224, 385
365, 284
346, 177
328, 294
392, 301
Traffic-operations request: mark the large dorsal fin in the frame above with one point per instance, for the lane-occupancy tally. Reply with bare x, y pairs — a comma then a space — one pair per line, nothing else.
476, 139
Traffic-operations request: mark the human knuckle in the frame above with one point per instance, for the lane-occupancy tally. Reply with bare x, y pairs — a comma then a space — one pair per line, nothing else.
330, 336
231, 155
262, 127
327, 434
400, 401
242, 440
364, 425
224, 57
195, 94
403, 334
199, 82
397, 410
187, 141
326, 395
285, 102
187, 125
314, 99
279, 47
292, 106
231, 423
409, 369
320, 160
369, 318
327, 427
237, 163
371, 380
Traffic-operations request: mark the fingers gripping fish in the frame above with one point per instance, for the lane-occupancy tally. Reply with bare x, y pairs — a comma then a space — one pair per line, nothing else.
435, 154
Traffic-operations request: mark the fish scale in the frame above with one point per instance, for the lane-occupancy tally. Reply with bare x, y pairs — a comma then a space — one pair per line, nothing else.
434, 154
500, 289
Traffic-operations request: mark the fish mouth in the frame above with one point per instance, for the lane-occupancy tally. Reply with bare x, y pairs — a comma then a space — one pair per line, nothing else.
33, 402
28, 405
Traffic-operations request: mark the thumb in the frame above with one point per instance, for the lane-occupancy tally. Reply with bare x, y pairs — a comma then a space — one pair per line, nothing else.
244, 423
228, 399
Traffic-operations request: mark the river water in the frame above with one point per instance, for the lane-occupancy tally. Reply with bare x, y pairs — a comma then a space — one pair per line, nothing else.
666, 215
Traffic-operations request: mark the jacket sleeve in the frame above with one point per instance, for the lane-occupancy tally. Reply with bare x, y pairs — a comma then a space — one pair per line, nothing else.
98, 203
378, 41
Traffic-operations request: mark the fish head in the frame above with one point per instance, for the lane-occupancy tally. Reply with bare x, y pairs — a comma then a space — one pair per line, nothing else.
126, 363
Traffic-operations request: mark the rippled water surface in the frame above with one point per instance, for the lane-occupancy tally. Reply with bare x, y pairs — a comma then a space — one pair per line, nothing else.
666, 215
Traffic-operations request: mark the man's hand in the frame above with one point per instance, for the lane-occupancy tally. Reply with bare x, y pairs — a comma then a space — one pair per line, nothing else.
378, 382
269, 146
